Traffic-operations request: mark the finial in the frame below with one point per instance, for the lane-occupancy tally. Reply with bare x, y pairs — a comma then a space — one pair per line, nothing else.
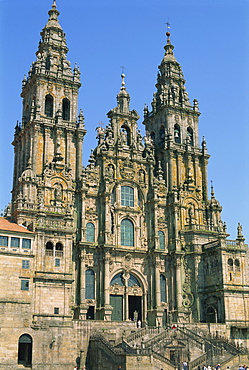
123, 77
54, 4
168, 31
212, 190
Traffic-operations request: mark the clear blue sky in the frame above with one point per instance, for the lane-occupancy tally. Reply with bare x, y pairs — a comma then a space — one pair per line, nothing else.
211, 44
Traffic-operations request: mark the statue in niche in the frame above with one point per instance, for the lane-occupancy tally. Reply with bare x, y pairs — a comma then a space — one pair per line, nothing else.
58, 192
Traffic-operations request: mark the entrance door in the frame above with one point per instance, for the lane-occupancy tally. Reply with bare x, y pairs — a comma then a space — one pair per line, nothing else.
116, 301
25, 350
135, 304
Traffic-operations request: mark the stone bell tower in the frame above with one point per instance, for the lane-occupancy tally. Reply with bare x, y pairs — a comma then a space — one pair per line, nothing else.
48, 163
191, 218
48, 142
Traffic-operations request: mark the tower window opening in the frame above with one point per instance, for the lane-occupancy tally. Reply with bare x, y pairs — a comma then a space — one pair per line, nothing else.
127, 233
190, 135
59, 250
90, 232
65, 109
49, 102
177, 134
49, 249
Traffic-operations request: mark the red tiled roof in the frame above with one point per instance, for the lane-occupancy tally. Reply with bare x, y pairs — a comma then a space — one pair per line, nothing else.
12, 226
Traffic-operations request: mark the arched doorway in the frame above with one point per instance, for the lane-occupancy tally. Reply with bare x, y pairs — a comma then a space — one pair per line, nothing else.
211, 316
25, 350
126, 297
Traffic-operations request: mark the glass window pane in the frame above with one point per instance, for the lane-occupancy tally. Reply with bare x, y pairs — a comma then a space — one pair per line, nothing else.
117, 279
15, 242
25, 264
127, 196
161, 239
163, 288
26, 243
57, 262
90, 285
127, 233
3, 241
90, 232
24, 284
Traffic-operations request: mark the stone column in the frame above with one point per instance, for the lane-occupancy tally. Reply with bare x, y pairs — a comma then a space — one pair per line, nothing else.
82, 277
178, 282
157, 283
107, 278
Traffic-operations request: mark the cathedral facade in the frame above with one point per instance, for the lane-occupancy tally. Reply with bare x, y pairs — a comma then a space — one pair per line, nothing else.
131, 239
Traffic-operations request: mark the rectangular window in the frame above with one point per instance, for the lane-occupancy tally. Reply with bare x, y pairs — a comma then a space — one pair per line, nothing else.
25, 264
57, 262
26, 243
15, 242
3, 241
24, 284
56, 311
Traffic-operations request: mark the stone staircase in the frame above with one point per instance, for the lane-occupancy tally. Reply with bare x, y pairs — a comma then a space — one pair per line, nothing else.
169, 347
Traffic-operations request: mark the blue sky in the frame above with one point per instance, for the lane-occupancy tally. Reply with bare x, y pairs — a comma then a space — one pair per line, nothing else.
211, 44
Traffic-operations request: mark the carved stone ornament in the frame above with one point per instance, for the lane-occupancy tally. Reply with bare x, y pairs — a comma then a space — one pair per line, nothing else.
126, 169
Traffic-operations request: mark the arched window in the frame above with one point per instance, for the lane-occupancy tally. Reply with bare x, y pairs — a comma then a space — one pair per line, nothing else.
237, 265
125, 135
133, 281
162, 134
49, 249
127, 196
230, 264
161, 239
58, 250
65, 109
127, 233
152, 135
177, 134
117, 279
163, 288
190, 135
25, 350
90, 232
90, 284
49, 102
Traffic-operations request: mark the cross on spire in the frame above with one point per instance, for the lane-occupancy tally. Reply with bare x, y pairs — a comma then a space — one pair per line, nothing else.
122, 68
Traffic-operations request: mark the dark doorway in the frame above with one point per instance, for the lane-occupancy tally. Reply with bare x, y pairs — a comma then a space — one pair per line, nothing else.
25, 350
135, 305
211, 315
116, 301
90, 313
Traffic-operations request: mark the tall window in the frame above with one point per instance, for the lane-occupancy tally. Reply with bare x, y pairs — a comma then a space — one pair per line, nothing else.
65, 109
49, 102
163, 288
127, 196
161, 239
90, 232
127, 233
90, 284
3, 241
15, 242
26, 243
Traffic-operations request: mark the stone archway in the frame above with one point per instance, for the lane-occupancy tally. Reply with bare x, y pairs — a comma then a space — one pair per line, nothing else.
25, 350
